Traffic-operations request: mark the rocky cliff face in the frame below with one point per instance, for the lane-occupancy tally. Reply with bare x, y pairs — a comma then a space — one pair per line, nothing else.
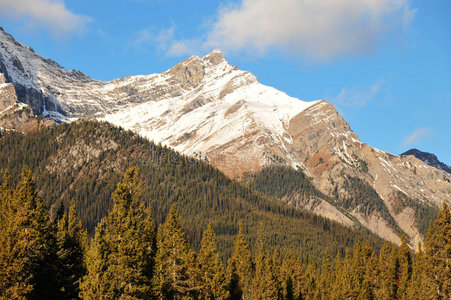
335, 158
15, 115
206, 108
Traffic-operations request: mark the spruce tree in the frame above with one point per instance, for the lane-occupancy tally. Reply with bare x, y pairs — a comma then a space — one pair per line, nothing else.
326, 277
292, 277
438, 256
405, 268
370, 279
121, 254
338, 269
347, 284
264, 285
213, 283
173, 260
28, 257
6, 193
7, 240
239, 268
387, 273
415, 288
96, 283
309, 288
276, 262
72, 242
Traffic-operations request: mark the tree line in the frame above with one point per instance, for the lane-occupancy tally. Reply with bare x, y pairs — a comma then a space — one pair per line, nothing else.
84, 160
43, 257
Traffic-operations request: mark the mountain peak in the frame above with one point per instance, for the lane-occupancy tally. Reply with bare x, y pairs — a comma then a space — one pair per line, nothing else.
428, 158
193, 70
215, 57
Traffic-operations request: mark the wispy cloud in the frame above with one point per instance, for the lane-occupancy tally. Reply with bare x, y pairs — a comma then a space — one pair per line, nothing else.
416, 136
317, 30
357, 96
164, 41
51, 14
321, 30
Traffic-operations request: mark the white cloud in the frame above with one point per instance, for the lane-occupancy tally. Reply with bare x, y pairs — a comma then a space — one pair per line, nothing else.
315, 29
416, 136
51, 14
357, 96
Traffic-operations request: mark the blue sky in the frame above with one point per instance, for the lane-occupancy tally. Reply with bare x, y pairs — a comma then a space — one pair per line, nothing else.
384, 64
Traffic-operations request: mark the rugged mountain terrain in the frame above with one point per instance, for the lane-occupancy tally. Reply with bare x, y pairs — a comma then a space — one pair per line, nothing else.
429, 158
84, 160
15, 115
206, 108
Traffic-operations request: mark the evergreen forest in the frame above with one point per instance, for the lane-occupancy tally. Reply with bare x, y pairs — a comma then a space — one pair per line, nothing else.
129, 256
83, 161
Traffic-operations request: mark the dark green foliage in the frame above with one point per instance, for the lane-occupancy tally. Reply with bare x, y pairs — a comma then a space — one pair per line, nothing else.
264, 282
211, 274
72, 242
84, 160
239, 268
174, 261
28, 250
437, 267
405, 268
282, 182
120, 259
33, 255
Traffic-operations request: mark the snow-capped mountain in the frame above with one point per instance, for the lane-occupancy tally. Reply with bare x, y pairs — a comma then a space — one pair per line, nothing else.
207, 108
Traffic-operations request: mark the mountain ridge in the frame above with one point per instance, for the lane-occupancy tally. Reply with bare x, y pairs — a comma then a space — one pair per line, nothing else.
83, 160
429, 158
204, 107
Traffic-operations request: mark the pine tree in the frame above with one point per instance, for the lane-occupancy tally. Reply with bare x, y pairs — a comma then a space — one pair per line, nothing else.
7, 242
239, 268
95, 284
405, 268
276, 262
29, 254
292, 277
172, 260
309, 288
6, 193
370, 279
347, 284
264, 284
360, 257
438, 256
338, 269
212, 275
72, 242
326, 277
286, 279
121, 255
387, 274
415, 286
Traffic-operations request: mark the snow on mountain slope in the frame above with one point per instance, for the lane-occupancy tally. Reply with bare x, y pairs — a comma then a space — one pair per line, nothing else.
206, 108
226, 105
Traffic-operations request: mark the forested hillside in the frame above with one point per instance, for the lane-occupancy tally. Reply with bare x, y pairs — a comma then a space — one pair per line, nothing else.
83, 161
53, 258
294, 187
